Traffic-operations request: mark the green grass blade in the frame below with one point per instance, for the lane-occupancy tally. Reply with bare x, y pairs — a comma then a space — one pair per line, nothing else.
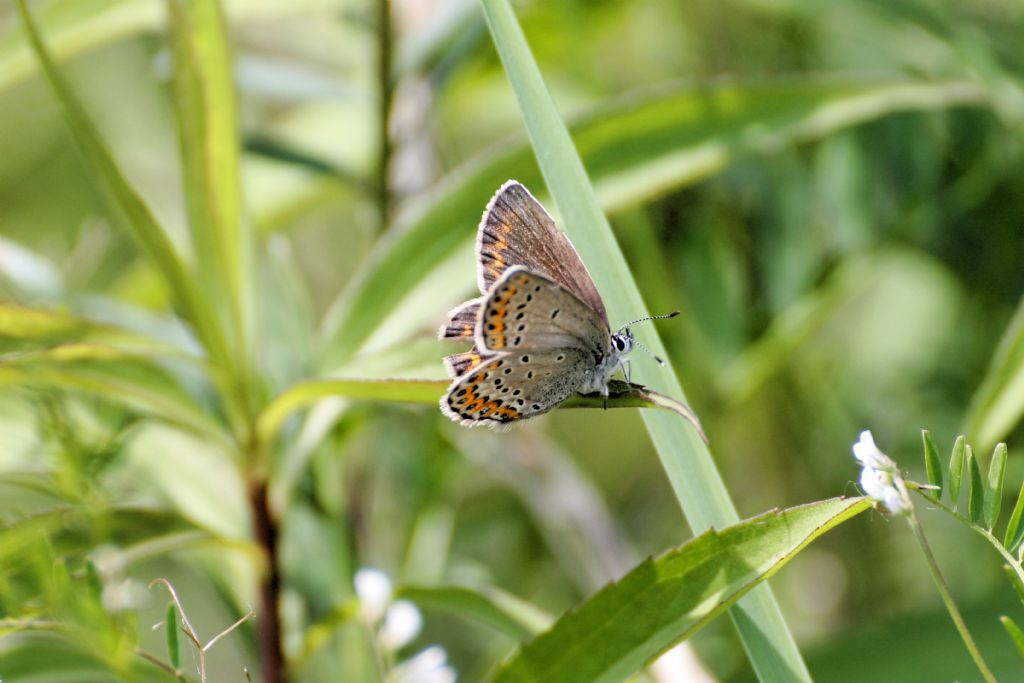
976, 492
696, 482
125, 201
500, 610
956, 470
932, 464
1014, 529
998, 404
635, 148
665, 600
207, 115
1016, 635
994, 494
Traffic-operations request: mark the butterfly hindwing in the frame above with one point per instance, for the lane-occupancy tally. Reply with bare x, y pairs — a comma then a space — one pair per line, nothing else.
516, 230
461, 321
514, 386
527, 310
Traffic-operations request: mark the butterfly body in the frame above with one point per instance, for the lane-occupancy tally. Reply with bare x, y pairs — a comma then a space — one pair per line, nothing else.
540, 331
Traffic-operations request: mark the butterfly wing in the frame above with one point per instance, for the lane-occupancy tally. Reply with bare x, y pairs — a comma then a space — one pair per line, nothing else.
516, 230
527, 311
514, 386
535, 343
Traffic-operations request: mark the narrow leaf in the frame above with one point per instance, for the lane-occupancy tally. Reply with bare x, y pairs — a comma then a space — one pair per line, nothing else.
636, 148
932, 464
429, 392
665, 600
998, 404
956, 470
976, 493
691, 470
1015, 580
1016, 635
207, 115
125, 200
504, 612
126, 377
1014, 529
171, 631
994, 494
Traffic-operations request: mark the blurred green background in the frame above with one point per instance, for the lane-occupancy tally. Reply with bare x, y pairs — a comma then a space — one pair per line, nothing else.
830, 192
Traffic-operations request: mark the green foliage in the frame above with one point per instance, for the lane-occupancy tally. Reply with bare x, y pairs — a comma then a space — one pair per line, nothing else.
218, 363
932, 464
664, 600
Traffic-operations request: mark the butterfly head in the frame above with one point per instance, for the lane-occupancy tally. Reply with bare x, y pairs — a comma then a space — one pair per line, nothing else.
622, 341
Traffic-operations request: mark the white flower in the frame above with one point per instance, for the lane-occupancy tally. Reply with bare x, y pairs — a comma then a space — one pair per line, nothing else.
373, 588
429, 666
880, 479
402, 623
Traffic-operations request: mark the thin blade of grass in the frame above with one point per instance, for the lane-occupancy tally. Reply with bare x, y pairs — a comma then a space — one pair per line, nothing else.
994, 493
956, 470
696, 482
932, 464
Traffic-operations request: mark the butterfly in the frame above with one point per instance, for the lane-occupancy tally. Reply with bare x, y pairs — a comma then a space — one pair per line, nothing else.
540, 331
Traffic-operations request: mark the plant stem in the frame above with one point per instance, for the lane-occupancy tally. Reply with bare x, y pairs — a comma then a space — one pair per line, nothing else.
1014, 562
947, 597
385, 95
265, 531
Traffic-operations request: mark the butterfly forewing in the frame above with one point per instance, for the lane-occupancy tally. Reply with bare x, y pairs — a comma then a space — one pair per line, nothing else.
526, 310
516, 230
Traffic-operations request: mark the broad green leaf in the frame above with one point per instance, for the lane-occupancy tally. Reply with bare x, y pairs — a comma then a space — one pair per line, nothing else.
956, 470
504, 612
126, 201
1016, 635
976, 492
994, 493
690, 468
635, 148
1014, 529
932, 464
127, 377
207, 115
665, 600
998, 404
